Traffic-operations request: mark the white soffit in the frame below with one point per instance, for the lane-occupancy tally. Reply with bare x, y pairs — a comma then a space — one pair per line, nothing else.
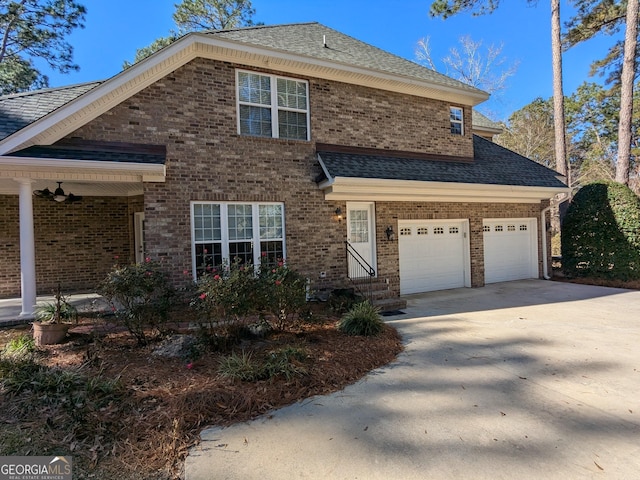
107, 95
81, 170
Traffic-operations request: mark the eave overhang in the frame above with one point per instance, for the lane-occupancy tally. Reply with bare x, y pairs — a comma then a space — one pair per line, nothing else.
110, 93
374, 189
112, 178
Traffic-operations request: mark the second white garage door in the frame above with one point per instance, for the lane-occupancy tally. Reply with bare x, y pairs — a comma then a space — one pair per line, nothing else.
434, 255
510, 249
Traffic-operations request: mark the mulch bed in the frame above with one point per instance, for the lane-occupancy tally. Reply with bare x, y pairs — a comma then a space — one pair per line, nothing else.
166, 402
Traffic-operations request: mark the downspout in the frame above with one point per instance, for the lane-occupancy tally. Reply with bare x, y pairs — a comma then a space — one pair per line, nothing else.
543, 224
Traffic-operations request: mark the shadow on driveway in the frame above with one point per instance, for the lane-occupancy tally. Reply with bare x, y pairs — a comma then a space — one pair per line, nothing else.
509, 388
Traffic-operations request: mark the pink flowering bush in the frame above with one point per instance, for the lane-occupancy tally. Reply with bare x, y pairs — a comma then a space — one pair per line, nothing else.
283, 293
229, 297
140, 296
225, 298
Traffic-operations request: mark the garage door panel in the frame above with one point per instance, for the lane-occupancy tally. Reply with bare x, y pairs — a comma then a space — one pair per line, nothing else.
510, 250
431, 256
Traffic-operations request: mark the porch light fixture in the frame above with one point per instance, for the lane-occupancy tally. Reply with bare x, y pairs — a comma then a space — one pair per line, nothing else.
57, 196
390, 233
338, 213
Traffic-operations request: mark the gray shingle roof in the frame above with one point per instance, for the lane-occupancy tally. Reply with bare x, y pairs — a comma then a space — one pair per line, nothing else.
154, 155
21, 109
482, 121
492, 165
307, 39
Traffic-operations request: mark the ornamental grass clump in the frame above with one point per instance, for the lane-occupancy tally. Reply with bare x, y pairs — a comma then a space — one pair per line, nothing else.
362, 319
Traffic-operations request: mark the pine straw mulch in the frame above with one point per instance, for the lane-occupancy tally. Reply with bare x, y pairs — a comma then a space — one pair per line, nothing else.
143, 430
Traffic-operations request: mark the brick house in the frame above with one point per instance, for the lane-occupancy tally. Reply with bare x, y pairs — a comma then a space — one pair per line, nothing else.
267, 142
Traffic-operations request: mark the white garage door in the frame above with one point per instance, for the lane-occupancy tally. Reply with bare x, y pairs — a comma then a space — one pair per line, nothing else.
510, 249
433, 255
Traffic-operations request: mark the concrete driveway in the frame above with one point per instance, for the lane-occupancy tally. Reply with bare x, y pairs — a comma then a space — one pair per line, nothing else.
521, 380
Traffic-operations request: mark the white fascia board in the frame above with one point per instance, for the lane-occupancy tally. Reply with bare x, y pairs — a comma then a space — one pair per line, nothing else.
329, 180
147, 172
408, 190
102, 98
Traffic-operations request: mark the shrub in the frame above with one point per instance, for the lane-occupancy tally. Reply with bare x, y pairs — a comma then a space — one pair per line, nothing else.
140, 296
225, 296
601, 233
283, 293
362, 319
341, 300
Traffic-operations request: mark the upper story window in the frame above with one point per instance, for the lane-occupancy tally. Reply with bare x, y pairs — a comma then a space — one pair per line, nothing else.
456, 118
272, 106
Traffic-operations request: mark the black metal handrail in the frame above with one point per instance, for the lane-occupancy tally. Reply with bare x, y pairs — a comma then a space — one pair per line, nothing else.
359, 272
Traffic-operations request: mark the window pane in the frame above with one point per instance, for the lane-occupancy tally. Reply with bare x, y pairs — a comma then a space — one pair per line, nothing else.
270, 221
240, 222
456, 128
292, 94
254, 88
271, 253
255, 121
292, 125
242, 251
208, 257
206, 222
455, 114
359, 226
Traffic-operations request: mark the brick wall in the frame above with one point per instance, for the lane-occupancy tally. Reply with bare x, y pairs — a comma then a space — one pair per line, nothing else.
75, 244
388, 213
193, 112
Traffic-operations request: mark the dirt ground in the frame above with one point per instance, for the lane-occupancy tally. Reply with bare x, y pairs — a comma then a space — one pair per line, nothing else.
144, 427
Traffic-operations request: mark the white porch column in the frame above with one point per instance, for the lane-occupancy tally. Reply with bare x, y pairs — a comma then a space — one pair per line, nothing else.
27, 249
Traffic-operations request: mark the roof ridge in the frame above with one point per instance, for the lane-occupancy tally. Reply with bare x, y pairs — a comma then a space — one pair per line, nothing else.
259, 27
47, 90
442, 75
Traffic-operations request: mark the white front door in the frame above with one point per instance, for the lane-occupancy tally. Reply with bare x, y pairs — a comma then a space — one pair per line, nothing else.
138, 235
361, 235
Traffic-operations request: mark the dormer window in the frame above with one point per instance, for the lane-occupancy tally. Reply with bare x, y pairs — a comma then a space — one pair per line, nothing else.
272, 106
456, 118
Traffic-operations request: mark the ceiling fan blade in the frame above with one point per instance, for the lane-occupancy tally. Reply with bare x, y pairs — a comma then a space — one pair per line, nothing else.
46, 193
73, 198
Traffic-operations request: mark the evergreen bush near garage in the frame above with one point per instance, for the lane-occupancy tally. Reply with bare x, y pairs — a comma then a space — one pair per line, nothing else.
601, 233
362, 319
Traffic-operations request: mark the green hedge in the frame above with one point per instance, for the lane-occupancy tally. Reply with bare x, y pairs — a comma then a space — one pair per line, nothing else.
601, 233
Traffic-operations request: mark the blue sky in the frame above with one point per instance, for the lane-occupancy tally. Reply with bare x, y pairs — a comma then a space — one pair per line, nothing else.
115, 28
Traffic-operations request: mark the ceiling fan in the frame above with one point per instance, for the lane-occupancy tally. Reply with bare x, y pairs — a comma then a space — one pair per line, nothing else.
58, 195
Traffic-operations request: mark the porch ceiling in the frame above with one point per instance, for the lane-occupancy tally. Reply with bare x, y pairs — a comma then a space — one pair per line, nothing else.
8, 186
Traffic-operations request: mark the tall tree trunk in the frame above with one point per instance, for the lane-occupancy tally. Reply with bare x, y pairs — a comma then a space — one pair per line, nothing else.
558, 93
626, 93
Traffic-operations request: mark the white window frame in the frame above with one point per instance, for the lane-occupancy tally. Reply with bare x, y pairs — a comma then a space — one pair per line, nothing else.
224, 227
275, 109
453, 121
